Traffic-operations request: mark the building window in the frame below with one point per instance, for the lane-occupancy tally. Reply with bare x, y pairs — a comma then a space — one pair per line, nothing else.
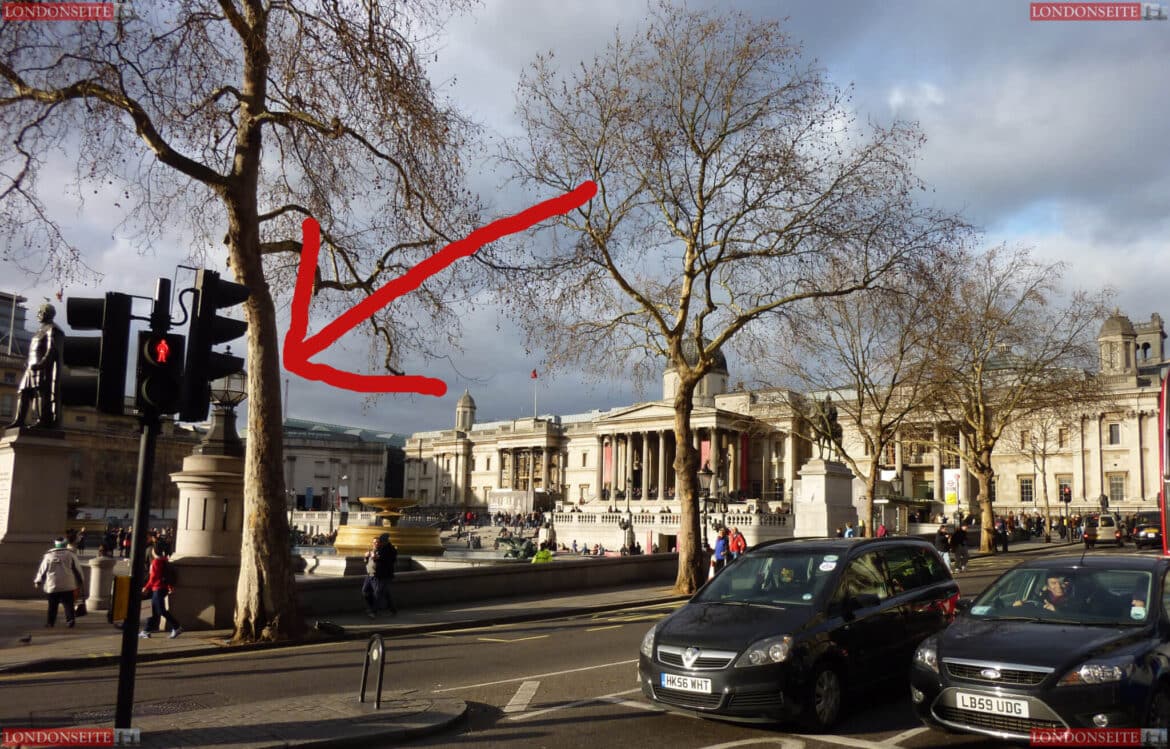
1062, 437
474, 460
7, 405
1027, 489
584, 458
1063, 487
9, 378
319, 470
1115, 434
488, 465
1024, 441
583, 492
1116, 487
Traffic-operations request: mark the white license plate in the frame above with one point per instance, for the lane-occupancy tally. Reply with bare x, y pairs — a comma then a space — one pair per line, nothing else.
996, 705
686, 683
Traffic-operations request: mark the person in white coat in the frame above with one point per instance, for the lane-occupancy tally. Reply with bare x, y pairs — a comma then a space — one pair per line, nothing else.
60, 574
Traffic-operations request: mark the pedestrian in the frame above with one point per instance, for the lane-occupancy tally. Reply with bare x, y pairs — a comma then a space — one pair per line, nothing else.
159, 585
882, 531
959, 548
380, 560
850, 531
60, 574
721, 550
942, 542
736, 544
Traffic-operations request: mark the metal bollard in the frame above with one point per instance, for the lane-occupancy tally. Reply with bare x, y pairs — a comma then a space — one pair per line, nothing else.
375, 650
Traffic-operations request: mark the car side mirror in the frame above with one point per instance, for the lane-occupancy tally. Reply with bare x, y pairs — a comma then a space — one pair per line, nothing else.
963, 605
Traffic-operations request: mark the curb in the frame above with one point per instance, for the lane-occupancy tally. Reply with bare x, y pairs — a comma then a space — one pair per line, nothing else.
350, 633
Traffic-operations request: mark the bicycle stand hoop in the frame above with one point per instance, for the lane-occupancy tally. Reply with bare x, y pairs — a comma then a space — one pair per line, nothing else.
376, 651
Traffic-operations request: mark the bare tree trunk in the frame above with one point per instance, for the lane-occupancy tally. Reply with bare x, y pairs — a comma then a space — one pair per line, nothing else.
867, 501
692, 562
986, 513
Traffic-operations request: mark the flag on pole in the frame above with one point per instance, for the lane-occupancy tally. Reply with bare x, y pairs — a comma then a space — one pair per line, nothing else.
534, 374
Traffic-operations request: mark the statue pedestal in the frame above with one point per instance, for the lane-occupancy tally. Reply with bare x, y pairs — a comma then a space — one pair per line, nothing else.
34, 483
825, 502
207, 540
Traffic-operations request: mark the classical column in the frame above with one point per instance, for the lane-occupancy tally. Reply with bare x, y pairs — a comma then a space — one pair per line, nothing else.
789, 465
545, 483
645, 465
964, 477
661, 464
600, 466
437, 478
1140, 460
939, 489
716, 448
765, 468
628, 463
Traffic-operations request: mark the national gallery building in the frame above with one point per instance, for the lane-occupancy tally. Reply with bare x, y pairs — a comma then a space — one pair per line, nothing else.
756, 442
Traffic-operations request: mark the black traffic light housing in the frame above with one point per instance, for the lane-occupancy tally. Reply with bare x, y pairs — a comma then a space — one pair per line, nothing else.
160, 372
1066, 494
208, 328
107, 353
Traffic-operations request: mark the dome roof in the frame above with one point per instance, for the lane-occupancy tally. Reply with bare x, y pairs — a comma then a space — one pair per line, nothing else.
465, 401
691, 354
1117, 324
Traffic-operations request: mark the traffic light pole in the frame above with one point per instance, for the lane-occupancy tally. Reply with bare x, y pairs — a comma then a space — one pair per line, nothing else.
160, 321
128, 663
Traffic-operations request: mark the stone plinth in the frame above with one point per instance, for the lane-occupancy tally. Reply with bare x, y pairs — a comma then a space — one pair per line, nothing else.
34, 483
825, 502
207, 540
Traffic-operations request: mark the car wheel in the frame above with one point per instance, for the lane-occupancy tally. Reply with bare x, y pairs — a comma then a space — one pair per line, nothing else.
1159, 715
823, 705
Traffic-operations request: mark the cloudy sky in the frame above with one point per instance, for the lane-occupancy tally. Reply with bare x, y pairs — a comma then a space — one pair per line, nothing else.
1050, 135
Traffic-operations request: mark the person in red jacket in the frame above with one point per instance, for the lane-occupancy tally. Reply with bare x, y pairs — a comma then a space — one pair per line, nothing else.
159, 586
737, 544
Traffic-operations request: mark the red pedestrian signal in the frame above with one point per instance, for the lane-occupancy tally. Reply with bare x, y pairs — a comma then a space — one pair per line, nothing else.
160, 372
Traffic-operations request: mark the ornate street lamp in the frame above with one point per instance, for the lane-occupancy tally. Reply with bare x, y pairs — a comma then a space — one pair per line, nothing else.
222, 438
705, 476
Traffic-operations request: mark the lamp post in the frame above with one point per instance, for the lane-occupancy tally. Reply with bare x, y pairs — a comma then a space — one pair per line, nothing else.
705, 476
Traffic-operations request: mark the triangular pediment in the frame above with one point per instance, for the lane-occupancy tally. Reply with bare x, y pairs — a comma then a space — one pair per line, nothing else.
644, 412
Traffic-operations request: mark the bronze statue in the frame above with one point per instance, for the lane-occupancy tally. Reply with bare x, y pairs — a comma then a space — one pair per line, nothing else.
828, 430
41, 378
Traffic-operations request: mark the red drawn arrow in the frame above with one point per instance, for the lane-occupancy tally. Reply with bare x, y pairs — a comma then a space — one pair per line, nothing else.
298, 346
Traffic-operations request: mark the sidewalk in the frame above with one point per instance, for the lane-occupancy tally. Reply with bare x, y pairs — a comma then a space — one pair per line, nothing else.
338, 720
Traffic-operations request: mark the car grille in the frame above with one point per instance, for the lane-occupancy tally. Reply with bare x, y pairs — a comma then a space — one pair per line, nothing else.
708, 660
993, 722
687, 699
746, 701
1008, 675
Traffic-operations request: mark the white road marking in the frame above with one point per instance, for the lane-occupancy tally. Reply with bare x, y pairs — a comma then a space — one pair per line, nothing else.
849, 741
896, 740
570, 705
539, 676
599, 629
632, 703
523, 696
785, 743
516, 639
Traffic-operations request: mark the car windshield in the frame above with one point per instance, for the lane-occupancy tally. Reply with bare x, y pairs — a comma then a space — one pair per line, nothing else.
777, 579
1062, 595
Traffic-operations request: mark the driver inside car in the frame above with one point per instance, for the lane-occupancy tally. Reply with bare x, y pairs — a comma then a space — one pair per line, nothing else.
1057, 594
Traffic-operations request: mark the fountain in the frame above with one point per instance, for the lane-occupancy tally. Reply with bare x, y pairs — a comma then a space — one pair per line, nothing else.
354, 540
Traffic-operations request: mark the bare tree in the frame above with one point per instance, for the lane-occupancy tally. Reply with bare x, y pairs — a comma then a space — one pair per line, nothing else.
234, 120
1009, 348
870, 353
732, 183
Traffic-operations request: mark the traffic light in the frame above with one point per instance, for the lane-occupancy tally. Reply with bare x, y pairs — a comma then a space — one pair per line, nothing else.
208, 328
160, 372
1066, 494
107, 353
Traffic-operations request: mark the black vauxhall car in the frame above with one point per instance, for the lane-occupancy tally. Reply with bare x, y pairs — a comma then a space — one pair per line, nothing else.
785, 629
1056, 643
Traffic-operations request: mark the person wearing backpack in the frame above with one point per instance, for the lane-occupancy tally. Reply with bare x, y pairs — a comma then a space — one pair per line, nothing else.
380, 561
159, 585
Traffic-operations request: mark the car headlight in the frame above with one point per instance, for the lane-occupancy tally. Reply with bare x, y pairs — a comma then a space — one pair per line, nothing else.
1097, 672
927, 654
647, 647
770, 650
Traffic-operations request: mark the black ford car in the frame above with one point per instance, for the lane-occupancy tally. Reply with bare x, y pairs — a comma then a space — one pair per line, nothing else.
786, 628
1062, 642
